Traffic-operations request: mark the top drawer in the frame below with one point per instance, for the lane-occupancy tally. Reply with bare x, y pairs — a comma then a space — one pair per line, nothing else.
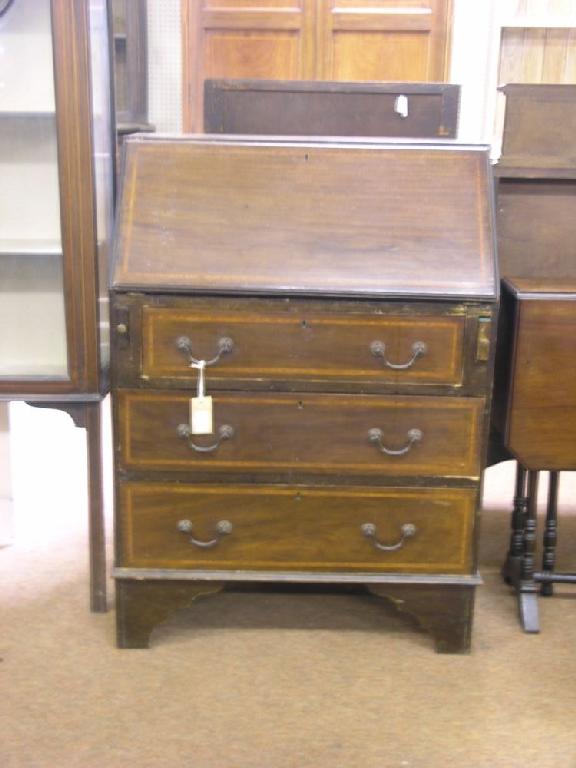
304, 346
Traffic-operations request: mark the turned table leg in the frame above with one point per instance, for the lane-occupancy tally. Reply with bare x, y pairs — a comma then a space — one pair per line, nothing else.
550, 533
527, 587
513, 564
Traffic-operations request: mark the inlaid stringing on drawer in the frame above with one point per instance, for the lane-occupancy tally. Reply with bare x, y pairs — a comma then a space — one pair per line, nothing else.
266, 527
308, 345
323, 433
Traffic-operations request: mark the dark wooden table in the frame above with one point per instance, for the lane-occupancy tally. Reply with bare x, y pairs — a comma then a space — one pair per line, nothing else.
535, 415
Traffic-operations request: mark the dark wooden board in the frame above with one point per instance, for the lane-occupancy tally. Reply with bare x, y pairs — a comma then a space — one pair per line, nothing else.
305, 108
536, 226
539, 127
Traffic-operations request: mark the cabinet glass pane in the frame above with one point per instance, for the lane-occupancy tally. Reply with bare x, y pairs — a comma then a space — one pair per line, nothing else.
104, 149
32, 315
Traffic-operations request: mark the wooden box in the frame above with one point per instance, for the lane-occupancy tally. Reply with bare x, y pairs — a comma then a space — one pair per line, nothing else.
342, 296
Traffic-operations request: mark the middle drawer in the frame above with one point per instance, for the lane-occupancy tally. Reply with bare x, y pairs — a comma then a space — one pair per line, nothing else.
363, 434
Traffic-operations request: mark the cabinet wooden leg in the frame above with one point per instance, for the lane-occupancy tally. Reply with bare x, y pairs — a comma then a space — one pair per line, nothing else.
88, 416
446, 612
527, 587
550, 533
512, 567
96, 529
143, 605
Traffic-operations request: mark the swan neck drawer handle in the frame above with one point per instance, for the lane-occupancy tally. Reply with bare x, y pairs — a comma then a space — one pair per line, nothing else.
225, 432
407, 531
225, 346
419, 349
223, 528
375, 435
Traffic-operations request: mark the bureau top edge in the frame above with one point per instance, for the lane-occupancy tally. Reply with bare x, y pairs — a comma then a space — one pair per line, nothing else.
285, 294
357, 142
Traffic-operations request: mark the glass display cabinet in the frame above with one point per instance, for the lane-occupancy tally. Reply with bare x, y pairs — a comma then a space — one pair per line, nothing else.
56, 210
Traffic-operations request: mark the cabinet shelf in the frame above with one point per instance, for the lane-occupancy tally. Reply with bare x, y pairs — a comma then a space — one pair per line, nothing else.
43, 114
30, 247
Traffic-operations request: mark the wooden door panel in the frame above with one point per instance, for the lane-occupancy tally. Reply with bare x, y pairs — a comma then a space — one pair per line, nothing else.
252, 6
267, 39
378, 56
264, 55
383, 39
353, 40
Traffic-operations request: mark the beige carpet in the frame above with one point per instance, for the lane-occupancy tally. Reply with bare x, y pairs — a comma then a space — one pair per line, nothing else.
276, 681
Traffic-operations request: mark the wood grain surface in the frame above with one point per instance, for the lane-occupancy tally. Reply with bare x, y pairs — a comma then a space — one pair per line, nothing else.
537, 228
281, 346
296, 528
542, 401
347, 220
539, 126
304, 108
299, 433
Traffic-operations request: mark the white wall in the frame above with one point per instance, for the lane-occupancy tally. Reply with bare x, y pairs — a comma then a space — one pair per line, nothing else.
165, 65
472, 66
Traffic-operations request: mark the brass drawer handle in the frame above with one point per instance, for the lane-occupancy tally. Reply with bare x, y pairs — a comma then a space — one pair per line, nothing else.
225, 432
408, 530
225, 346
223, 528
419, 349
375, 435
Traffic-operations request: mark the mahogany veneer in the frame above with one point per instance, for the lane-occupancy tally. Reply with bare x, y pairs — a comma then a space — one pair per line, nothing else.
344, 296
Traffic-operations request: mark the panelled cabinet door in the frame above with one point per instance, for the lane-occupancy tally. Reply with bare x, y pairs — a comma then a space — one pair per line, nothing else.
263, 39
352, 40
383, 39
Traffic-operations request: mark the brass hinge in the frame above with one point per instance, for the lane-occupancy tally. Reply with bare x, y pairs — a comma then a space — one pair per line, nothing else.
483, 340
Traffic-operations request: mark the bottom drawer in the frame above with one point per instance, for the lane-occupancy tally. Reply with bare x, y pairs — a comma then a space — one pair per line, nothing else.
425, 530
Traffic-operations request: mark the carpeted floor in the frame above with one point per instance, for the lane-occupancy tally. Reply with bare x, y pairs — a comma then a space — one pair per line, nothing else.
266, 681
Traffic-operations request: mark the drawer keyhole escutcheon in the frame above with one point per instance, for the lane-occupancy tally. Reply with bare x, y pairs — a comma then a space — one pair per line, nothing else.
223, 528
407, 531
419, 349
225, 432
225, 346
375, 435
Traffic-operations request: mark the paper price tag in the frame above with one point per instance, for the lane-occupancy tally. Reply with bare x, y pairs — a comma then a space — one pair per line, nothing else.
201, 415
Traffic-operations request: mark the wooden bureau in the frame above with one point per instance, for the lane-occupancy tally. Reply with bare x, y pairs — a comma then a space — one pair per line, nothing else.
342, 298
